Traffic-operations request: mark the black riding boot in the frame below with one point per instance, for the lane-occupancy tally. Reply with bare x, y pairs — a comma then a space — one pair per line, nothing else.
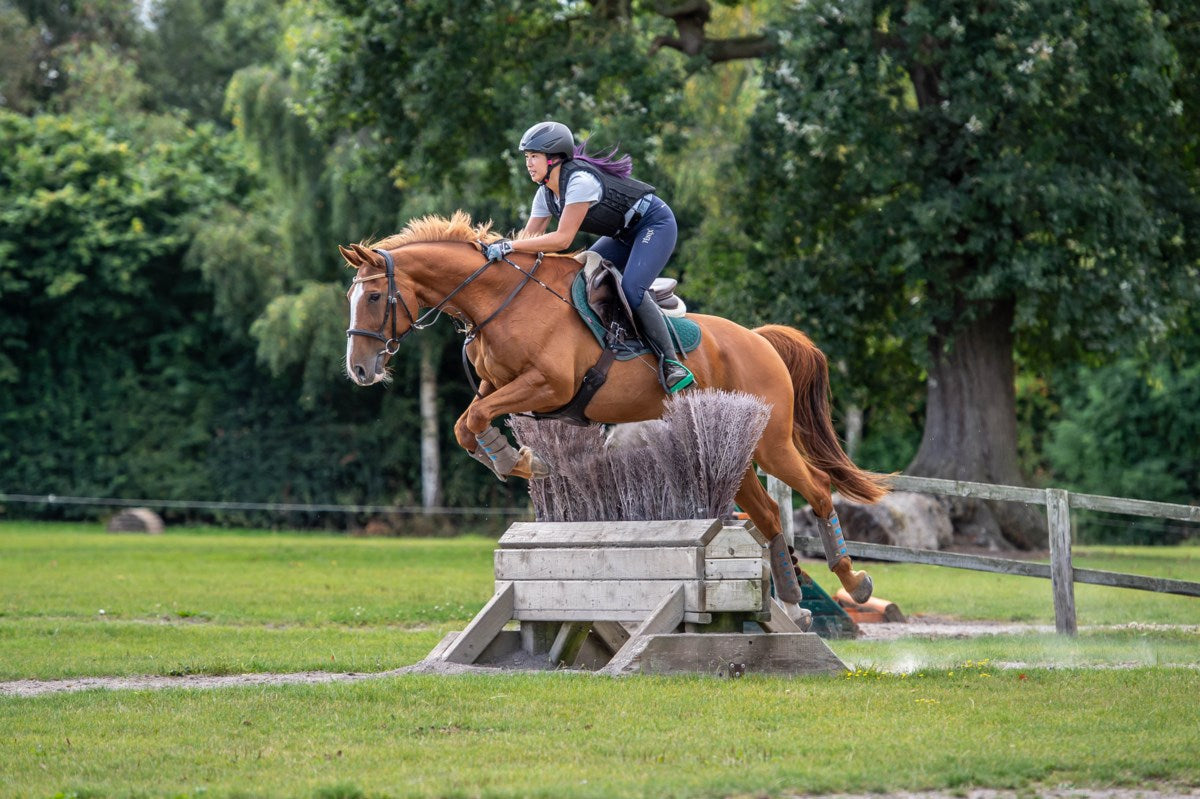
674, 375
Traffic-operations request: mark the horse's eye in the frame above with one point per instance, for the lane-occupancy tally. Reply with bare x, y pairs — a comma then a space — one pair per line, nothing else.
373, 297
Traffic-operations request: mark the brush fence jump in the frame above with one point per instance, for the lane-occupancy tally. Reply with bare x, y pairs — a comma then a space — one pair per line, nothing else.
657, 597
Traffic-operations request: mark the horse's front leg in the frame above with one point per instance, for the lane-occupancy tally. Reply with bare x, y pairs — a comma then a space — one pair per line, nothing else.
489, 445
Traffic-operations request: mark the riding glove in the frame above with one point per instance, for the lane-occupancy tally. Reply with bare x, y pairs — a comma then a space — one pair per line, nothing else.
498, 249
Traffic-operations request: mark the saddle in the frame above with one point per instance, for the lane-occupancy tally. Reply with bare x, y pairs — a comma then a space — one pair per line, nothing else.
596, 293
607, 300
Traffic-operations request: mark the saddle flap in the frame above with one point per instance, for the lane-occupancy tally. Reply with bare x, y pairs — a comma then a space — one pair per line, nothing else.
604, 288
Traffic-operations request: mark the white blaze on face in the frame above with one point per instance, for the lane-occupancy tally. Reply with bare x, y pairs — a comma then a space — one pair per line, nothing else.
355, 297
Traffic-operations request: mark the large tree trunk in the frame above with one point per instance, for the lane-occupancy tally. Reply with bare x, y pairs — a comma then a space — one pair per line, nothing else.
431, 470
971, 428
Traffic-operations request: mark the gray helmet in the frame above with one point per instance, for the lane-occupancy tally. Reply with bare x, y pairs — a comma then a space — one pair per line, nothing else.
551, 138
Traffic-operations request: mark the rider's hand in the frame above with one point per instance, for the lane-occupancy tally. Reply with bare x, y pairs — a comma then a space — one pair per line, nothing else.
498, 249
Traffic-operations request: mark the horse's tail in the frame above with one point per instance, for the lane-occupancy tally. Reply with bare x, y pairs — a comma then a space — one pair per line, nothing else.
812, 429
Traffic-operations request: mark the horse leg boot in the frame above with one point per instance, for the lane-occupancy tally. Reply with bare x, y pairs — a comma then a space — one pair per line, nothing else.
673, 375
506, 461
787, 584
858, 584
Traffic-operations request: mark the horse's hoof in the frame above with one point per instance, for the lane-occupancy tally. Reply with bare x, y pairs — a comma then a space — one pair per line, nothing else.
866, 586
533, 464
802, 616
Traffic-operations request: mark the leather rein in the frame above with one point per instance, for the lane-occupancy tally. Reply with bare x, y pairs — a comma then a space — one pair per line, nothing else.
391, 343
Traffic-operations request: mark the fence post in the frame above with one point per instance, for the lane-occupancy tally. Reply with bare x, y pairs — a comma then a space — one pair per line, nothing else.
781, 492
1062, 575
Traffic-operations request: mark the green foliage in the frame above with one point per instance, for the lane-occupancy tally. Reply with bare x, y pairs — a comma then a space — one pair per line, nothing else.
913, 165
1133, 432
443, 85
194, 47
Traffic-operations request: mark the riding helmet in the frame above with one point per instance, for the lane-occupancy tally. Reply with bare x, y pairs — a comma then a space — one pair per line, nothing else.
551, 138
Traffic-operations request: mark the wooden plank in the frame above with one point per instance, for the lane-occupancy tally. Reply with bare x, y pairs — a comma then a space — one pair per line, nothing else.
733, 568
1034, 496
442, 645
1022, 568
672, 533
781, 492
731, 655
780, 621
602, 563
568, 642
537, 636
812, 547
1136, 507
483, 628
1139, 582
611, 634
667, 616
631, 617
964, 488
735, 542
1062, 580
723, 595
602, 597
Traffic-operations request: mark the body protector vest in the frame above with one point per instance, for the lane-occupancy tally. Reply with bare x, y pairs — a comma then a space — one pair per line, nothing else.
607, 216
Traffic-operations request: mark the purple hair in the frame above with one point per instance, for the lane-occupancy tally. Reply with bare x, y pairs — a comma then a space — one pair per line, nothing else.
607, 162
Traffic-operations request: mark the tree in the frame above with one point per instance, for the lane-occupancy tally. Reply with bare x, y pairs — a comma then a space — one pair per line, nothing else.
973, 181
191, 49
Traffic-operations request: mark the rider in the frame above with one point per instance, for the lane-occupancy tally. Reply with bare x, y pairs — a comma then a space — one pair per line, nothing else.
596, 194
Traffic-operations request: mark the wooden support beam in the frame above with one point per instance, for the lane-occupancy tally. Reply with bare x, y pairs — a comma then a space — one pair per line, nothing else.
1062, 578
483, 628
664, 619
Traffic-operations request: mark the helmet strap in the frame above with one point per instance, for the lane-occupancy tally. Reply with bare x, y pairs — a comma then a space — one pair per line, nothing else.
550, 165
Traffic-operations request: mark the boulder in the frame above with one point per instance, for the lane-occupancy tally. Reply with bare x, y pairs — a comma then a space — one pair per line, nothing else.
901, 518
136, 520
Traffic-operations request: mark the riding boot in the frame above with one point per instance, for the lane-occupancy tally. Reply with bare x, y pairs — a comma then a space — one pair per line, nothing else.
673, 374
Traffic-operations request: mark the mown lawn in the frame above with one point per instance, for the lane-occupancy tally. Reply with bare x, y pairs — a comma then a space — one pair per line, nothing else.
945, 714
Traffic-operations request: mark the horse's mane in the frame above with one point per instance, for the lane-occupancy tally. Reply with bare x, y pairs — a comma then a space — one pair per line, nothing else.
458, 227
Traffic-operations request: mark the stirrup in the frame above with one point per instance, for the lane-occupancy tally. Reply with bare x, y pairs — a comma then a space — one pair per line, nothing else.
683, 382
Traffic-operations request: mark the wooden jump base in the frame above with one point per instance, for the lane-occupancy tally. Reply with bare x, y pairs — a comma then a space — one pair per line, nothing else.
656, 597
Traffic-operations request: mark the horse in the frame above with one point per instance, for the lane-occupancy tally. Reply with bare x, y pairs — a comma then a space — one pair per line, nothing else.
531, 350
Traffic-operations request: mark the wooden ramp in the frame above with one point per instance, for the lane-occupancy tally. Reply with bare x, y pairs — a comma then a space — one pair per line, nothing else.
655, 597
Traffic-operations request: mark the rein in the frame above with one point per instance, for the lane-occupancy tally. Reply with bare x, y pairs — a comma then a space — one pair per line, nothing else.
391, 344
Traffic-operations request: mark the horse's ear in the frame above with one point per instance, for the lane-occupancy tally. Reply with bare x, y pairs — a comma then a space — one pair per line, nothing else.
349, 254
363, 255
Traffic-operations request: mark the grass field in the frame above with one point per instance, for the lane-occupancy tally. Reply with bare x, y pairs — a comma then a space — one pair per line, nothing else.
915, 714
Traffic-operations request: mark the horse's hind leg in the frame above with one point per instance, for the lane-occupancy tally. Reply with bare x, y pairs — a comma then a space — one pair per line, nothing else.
779, 457
763, 510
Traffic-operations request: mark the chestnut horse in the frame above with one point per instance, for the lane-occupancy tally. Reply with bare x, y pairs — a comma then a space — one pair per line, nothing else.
532, 353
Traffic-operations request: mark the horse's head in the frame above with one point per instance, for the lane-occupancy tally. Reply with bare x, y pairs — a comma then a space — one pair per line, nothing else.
381, 314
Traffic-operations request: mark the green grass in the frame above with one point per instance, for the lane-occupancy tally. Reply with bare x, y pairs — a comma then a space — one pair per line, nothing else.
75, 601
555, 735
936, 714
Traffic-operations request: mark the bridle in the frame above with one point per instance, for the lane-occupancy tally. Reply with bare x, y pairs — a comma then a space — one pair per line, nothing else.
391, 344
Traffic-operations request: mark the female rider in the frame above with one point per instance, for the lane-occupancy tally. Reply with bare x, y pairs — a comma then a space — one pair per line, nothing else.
596, 194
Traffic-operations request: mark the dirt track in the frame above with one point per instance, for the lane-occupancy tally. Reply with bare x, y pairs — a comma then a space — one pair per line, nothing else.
919, 627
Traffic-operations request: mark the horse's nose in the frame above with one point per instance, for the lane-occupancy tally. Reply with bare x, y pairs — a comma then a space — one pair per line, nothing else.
360, 374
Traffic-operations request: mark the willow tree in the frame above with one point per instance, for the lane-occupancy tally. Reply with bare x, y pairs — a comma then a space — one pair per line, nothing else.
982, 181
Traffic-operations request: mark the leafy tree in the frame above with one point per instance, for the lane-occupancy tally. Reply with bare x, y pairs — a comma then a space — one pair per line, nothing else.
1133, 432
967, 182
191, 49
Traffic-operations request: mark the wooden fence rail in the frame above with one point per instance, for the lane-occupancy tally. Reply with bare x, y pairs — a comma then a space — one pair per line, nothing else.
1058, 503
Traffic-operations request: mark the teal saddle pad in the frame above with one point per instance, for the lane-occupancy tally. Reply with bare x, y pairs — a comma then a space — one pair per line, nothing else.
685, 331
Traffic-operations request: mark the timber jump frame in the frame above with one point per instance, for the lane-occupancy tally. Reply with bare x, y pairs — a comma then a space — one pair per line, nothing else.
1058, 503
654, 597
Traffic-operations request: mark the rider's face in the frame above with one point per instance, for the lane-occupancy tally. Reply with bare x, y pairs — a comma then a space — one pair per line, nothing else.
536, 164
